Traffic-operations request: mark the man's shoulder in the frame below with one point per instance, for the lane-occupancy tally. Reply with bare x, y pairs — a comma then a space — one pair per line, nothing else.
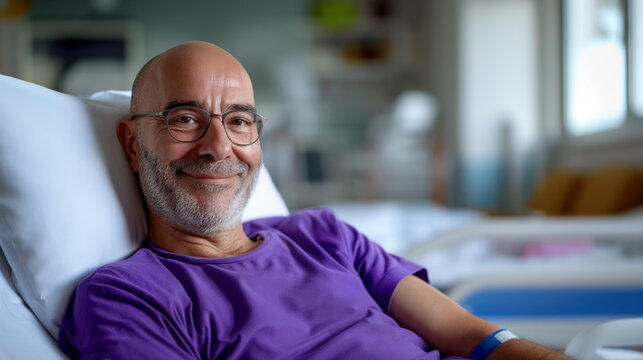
123, 290
297, 220
142, 266
314, 230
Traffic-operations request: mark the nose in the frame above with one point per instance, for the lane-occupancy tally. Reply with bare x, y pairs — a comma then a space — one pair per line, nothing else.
215, 143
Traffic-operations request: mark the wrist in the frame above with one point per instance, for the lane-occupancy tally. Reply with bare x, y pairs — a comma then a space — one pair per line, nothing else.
490, 343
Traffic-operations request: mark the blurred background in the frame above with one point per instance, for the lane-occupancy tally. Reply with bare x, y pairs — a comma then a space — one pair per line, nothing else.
414, 117
465, 103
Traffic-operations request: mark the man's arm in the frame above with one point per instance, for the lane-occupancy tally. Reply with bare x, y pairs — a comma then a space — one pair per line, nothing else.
451, 329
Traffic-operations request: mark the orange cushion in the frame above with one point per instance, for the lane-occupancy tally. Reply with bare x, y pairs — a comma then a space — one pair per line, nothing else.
609, 190
555, 193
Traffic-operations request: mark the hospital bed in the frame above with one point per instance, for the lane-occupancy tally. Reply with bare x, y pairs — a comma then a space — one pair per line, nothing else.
69, 203
546, 278
617, 339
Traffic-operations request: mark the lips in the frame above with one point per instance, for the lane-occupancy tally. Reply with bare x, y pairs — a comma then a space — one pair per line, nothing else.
220, 172
208, 178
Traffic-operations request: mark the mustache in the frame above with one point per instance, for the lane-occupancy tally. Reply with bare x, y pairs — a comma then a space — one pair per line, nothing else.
220, 167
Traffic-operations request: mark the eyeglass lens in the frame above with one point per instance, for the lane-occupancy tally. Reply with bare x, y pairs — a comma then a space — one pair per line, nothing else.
188, 124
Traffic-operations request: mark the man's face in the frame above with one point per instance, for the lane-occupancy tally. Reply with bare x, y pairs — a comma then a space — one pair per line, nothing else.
198, 187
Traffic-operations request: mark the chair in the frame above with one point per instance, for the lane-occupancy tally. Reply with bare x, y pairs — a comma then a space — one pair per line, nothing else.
68, 204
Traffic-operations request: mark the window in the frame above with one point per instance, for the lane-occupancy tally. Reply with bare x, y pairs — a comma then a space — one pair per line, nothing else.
636, 41
597, 77
595, 66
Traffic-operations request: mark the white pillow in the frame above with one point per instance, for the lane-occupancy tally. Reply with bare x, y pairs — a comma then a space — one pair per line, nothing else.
68, 200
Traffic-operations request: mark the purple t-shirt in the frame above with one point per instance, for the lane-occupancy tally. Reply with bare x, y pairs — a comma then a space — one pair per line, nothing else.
314, 289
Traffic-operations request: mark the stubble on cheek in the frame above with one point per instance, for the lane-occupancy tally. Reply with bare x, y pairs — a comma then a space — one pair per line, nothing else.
196, 208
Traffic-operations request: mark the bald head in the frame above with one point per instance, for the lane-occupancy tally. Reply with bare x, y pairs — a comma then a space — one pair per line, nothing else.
189, 64
195, 187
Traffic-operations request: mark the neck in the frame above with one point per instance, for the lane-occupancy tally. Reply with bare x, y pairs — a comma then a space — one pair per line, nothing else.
221, 244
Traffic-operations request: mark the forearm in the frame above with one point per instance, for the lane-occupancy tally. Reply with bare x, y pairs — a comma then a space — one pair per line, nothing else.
525, 350
437, 319
449, 328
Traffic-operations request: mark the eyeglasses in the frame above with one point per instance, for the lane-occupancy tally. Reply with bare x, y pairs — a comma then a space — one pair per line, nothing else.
189, 123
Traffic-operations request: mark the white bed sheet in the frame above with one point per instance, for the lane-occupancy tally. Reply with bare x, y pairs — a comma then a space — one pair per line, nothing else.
21, 335
403, 227
399, 226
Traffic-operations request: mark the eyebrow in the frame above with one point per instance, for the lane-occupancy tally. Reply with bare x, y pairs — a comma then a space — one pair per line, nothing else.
179, 103
240, 107
228, 108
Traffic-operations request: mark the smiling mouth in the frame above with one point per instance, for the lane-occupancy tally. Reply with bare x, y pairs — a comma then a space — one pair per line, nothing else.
214, 179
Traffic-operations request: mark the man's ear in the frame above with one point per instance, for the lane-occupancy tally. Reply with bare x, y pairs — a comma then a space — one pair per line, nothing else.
127, 135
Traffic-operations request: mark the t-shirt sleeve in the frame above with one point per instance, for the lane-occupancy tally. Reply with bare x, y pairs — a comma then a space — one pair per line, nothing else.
380, 271
109, 318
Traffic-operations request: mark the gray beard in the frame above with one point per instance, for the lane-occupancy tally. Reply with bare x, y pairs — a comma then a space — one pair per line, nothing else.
180, 207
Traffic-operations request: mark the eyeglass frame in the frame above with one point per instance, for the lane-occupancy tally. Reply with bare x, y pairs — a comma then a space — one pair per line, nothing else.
164, 113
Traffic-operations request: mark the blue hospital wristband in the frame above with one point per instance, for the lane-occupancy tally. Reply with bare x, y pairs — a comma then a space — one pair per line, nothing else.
490, 343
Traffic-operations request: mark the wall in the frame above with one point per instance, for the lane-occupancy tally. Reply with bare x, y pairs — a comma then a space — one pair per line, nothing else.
498, 94
441, 74
238, 26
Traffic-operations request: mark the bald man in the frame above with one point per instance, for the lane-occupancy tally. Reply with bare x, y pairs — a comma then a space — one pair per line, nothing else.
206, 286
